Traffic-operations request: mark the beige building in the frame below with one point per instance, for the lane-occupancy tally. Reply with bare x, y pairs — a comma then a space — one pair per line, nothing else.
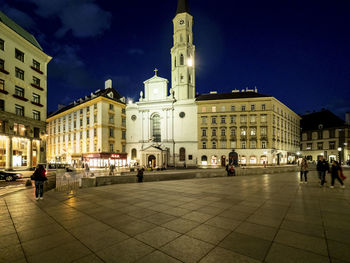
256, 127
90, 130
325, 134
23, 89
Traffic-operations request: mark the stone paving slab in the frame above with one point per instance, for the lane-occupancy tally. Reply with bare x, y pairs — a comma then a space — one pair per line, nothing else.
262, 218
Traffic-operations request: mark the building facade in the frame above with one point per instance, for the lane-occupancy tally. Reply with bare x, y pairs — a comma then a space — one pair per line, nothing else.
258, 128
23, 90
161, 125
325, 134
90, 130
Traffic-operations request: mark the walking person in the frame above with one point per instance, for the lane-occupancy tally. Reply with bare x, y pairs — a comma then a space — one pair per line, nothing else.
39, 176
231, 171
140, 175
87, 170
304, 169
322, 167
336, 171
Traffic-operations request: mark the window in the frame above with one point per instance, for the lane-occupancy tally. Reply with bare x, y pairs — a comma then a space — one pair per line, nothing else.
111, 132
19, 91
223, 120
87, 109
243, 118
204, 145
253, 144
81, 123
36, 98
233, 108
213, 109
223, 144
36, 64
19, 110
204, 109
69, 137
233, 144
223, 132
2, 44
111, 147
123, 121
2, 84
214, 144
36, 81
111, 107
309, 146
320, 146
253, 131
95, 106
182, 153
223, 108
123, 148
2, 105
263, 131
331, 145
81, 111
19, 73
233, 132
263, 106
95, 118
2, 64
213, 120
253, 118
204, 132
243, 145
181, 59
252, 107
133, 154
243, 108
243, 131
263, 145
155, 126
123, 135
233, 119
111, 119
331, 133
19, 55
87, 134
95, 132
87, 120
204, 120
263, 118
213, 132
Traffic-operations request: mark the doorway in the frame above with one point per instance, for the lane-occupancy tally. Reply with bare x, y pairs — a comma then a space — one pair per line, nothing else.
151, 161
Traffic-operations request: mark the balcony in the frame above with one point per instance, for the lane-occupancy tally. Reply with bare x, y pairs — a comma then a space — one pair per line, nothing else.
36, 86
37, 104
4, 71
4, 91
243, 137
19, 97
37, 70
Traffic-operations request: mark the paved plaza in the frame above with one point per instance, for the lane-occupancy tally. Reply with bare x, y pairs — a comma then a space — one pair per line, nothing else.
269, 218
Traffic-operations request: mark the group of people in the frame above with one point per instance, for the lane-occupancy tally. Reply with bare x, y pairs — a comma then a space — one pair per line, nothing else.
230, 169
336, 171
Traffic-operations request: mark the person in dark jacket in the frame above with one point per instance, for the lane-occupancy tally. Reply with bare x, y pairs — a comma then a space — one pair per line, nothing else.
39, 176
140, 175
322, 167
335, 172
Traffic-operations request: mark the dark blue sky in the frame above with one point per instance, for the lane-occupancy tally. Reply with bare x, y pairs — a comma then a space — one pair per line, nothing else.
297, 51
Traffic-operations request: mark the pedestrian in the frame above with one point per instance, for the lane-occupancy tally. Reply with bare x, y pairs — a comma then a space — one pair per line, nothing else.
336, 171
111, 169
264, 164
227, 168
231, 171
322, 167
140, 175
39, 176
87, 169
304, 169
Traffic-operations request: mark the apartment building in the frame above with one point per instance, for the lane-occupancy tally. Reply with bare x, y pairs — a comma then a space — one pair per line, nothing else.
251, 127
325, 134
23, 89
89, 130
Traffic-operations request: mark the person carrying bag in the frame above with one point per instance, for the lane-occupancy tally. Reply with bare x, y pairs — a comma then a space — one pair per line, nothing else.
39, 176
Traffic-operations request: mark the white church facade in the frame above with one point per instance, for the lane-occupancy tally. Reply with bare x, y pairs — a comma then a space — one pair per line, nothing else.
162, 124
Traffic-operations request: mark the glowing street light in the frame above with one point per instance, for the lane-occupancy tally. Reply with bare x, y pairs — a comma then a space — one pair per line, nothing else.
190, 62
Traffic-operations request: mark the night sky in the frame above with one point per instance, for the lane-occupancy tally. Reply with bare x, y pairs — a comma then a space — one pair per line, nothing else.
297, 51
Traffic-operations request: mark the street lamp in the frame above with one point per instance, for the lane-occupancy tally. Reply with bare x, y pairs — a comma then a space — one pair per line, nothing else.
339, 154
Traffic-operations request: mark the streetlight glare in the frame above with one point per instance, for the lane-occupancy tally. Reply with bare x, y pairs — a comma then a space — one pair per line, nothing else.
190, 62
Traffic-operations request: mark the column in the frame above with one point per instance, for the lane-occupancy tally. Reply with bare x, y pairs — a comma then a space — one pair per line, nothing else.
9, 153
30, 154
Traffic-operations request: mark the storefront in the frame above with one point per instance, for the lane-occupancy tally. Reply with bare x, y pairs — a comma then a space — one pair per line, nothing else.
105, 159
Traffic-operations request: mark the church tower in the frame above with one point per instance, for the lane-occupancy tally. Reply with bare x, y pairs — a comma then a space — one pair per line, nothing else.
183, 54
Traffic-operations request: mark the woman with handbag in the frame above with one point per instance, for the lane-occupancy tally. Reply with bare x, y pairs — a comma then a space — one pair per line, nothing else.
39, 176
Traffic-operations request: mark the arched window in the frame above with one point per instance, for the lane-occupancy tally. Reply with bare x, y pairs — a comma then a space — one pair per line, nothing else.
204, 158
214, 144
133, 154
155, 126
182, 154
182, 59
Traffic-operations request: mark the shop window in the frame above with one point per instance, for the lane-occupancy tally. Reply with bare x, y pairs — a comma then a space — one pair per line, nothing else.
182, 153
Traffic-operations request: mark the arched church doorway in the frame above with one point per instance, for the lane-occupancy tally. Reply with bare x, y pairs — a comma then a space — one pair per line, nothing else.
151, 161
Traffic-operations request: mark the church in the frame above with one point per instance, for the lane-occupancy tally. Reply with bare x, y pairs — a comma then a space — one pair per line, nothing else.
162, 124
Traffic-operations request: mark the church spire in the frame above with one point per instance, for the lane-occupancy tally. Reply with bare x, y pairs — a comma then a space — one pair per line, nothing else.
182, 7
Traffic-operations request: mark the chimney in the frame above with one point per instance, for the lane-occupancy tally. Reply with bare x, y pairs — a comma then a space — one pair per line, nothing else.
347, 118
108, 84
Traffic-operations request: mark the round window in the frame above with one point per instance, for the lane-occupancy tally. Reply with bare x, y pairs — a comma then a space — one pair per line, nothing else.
133, 117
182, 114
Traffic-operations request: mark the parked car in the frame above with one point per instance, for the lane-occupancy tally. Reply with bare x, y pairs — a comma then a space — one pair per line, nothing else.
7, 176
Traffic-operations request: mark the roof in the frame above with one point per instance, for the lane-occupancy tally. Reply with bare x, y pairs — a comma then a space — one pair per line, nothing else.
19, 30
99, 93
325, 118
182, 7
232, 95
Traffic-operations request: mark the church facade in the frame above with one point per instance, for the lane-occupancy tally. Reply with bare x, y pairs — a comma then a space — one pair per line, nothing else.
162, 124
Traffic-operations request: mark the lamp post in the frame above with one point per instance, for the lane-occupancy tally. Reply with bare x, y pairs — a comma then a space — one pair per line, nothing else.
339, 154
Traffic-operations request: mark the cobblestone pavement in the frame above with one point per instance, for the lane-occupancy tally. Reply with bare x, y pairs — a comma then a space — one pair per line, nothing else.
269, 218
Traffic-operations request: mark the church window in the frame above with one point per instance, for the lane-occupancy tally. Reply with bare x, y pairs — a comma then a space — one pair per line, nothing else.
182, 59
133, 154
182, 154
155, 125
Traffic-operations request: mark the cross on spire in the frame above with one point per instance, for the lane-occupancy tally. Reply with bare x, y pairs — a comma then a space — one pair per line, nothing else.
155, 71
